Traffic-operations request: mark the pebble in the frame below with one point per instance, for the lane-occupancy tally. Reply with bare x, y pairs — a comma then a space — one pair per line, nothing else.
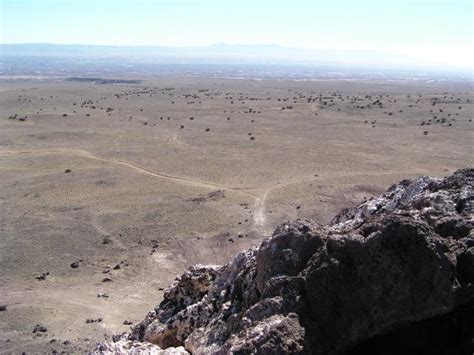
40, 329
42, 277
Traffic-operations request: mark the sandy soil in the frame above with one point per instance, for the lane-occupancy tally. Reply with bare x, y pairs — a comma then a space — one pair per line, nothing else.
137, 182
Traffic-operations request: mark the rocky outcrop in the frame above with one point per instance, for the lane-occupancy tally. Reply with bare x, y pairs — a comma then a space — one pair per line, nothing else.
124, 346
394, 274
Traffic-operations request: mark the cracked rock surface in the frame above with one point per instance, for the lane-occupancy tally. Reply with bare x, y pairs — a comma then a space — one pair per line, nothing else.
393, 274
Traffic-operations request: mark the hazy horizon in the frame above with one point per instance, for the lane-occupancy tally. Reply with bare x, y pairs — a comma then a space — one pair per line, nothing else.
255, 60
431, 34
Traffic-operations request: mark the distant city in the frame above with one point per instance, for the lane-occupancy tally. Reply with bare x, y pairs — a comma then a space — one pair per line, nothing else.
219, 61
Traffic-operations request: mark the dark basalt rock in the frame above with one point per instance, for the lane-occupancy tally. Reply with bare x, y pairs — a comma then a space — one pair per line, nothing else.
392, 275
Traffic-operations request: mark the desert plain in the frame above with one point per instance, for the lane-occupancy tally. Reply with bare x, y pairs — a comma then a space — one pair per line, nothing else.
109, 190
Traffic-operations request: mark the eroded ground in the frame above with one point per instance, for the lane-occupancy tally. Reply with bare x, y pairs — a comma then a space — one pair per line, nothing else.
134, 183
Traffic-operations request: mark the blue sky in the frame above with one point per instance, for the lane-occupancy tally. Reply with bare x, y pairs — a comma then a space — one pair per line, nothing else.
430, 30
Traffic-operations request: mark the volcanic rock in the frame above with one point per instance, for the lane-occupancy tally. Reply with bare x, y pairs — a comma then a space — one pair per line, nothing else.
392, 275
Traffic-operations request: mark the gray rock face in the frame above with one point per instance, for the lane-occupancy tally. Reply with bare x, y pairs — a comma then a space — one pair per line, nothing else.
123, 346
394, 274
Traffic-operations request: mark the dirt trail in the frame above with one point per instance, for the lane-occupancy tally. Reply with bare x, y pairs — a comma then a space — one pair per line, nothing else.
88, 155
260, 220
259, 194
253, 192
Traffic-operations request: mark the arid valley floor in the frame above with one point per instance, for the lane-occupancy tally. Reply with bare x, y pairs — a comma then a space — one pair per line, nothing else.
108, 191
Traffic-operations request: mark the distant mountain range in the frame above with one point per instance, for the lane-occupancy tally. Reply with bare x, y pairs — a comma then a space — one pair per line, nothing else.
219, 59
257, 54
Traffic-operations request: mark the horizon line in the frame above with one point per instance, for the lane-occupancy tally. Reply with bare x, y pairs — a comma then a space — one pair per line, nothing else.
412, 63
202, 46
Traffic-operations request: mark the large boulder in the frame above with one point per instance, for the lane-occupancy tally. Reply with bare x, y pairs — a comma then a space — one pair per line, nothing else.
393, 274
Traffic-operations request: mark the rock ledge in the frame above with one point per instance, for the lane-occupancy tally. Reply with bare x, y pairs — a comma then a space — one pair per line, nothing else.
394, 274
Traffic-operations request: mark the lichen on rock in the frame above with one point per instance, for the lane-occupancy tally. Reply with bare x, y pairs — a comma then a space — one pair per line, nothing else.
391, 273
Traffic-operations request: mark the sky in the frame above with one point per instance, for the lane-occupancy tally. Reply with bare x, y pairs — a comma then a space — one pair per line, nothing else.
436, 32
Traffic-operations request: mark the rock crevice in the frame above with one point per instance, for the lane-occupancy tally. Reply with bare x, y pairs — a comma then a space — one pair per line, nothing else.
393, 270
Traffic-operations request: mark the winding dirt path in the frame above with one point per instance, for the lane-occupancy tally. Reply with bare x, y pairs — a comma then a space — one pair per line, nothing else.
253, 192
259, 194
85, 154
